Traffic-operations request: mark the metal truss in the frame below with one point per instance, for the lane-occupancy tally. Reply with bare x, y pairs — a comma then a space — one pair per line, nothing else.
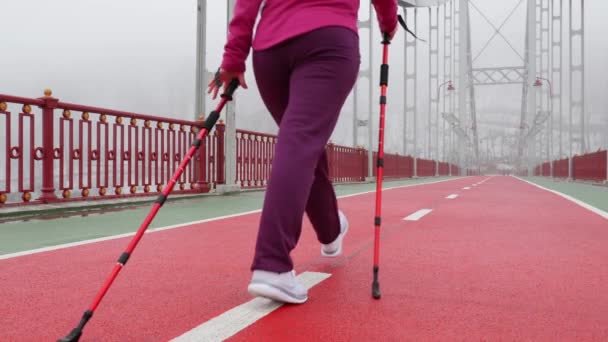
498, 76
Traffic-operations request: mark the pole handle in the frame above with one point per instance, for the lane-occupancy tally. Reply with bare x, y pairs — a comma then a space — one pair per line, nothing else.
234, 83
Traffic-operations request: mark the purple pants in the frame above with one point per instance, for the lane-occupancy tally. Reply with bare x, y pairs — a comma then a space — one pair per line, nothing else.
303, 82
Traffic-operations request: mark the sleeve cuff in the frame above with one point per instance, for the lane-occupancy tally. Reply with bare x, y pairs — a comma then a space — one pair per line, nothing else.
233, 66
389, 27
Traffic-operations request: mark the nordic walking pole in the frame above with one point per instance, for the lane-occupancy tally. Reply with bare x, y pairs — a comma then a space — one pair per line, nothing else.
75, 334
380, 164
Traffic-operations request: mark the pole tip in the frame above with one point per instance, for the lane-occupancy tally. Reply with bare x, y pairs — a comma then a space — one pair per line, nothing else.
376, 284
73, 336
376, 290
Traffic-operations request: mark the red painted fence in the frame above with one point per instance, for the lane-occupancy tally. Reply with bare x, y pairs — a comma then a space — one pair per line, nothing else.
254, 155
425, 167
67, 152
560, 168
444, 169
543, 170
346, 164
546, 169
395, 166
591, 167
54, 151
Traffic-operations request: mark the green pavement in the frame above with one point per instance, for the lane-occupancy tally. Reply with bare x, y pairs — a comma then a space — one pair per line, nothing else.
595, 195
74, 225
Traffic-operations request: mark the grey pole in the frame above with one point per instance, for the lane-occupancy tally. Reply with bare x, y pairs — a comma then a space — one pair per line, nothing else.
230, 135
355, 117
370, 158
532, 32
462, 74
201, 48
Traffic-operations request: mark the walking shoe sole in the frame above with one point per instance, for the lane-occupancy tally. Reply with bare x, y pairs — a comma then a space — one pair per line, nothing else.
273, 293
339, 251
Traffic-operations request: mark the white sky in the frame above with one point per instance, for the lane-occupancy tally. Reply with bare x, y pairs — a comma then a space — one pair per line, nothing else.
139, 55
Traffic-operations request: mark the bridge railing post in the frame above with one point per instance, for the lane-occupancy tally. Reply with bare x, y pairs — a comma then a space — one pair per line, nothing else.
48, 173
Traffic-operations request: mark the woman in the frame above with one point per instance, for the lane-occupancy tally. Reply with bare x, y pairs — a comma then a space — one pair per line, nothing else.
306, 61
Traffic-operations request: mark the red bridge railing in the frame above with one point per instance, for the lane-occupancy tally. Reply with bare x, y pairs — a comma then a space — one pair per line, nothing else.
70, 152
54, 151
590, 167
560, 168
346, 164
444, 169
545, 169
254, 155
425, 167
395, 165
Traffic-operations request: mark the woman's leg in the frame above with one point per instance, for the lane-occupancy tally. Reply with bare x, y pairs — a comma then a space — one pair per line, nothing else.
322, 206
272, 73
324, 67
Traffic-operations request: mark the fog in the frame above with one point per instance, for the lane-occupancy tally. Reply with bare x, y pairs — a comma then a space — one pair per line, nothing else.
139, 56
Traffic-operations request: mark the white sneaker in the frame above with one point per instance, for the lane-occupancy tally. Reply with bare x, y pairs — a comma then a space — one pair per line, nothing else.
334, 248
281, 287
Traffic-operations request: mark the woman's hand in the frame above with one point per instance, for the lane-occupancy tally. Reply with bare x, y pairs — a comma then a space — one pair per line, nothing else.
223, 77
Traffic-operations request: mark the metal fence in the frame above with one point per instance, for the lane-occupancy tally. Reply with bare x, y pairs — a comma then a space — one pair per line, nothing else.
54, 151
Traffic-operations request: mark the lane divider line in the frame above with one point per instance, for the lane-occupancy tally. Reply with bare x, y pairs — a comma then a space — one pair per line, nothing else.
236, 319
452, 196
418, 215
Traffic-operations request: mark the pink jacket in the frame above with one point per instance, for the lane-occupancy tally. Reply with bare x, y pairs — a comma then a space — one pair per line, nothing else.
284, 19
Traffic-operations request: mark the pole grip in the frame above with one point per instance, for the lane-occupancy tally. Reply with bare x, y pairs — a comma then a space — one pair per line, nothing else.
231, 89
384, 75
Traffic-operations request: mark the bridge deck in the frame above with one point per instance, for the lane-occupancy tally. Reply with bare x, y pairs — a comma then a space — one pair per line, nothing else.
500, 259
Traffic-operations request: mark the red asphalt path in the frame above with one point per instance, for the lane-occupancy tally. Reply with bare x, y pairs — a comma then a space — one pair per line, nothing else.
503, 261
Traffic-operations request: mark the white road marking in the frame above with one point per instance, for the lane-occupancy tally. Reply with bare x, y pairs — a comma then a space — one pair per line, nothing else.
452, 196
570, 198
466, 188
150, 230
485, 180
186, 224
418, 215
400, 187
232, 321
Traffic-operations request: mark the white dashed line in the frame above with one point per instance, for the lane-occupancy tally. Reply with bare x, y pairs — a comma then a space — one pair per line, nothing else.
418, 215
